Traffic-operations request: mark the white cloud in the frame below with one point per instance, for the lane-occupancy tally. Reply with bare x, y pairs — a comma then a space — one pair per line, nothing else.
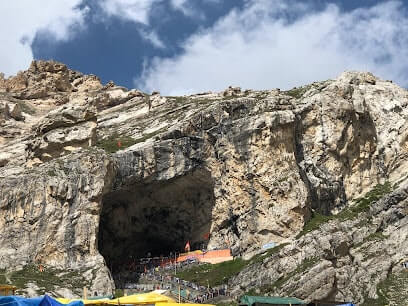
179, 3
152, 37
191, 8
133, 10
22, 19
182, 5
187, 8
283, 44
139, 11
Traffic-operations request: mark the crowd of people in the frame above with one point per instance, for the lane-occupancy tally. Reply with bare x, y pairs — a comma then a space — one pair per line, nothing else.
127, 278
210, 294
190, 291
157, 276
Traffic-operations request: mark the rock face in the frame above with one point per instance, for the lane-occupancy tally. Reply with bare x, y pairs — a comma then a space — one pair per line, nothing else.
345, 259
67, 128
50, 216
90, 173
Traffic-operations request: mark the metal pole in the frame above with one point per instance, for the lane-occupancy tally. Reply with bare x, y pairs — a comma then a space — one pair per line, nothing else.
175, 263
179, 294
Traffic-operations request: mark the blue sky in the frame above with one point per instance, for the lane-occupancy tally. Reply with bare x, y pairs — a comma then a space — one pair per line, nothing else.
186, 46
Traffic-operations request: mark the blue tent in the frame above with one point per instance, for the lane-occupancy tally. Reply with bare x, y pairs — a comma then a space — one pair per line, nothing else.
38, 301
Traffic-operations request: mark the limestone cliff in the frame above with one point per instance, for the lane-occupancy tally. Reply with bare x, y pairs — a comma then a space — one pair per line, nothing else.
90, 174
357, 255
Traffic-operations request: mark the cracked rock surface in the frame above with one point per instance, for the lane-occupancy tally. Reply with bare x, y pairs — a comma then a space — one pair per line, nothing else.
244, 167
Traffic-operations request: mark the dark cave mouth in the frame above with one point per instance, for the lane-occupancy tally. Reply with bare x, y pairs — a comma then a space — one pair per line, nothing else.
156, 219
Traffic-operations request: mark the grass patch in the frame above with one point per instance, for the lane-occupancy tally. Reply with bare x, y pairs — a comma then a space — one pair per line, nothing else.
3, 280
178, 99
314, 223
392, 291
360, 205
377, 236
297, 92
213, 275
218, 274
48, 280
111, 144
379, 191
260, 257
148, 136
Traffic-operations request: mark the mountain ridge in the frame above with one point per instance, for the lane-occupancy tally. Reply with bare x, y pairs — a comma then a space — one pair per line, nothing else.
88, 171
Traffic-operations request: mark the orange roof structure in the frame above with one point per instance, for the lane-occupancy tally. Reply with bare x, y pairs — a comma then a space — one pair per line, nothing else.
212, 256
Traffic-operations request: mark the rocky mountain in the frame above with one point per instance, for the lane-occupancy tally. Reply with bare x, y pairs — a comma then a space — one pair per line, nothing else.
92, 174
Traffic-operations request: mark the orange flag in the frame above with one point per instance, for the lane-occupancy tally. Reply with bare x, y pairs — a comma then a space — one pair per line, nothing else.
187, 247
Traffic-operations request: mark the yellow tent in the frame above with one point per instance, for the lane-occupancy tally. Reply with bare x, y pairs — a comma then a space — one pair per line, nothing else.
86, 302
136, 299
143, 298
181, 304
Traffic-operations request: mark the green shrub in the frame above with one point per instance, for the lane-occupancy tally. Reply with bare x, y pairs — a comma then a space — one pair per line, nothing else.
111, 145
297, 92
360, 205
314, 223
379, 191
118, 293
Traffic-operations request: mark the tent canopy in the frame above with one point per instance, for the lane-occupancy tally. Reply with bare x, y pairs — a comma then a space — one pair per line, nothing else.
85, 302
39, 301
143, 298
273, 300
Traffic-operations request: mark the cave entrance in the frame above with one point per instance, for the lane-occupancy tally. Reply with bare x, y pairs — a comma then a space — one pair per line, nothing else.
154, 220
